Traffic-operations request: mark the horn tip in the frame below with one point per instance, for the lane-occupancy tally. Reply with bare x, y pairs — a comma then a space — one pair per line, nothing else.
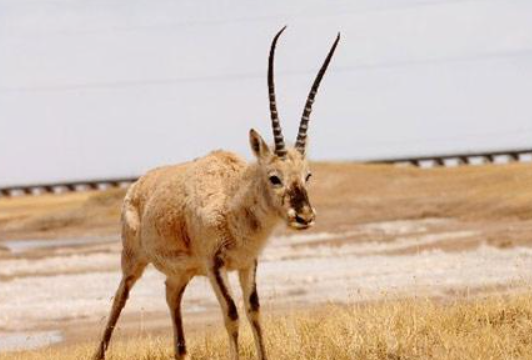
281, 31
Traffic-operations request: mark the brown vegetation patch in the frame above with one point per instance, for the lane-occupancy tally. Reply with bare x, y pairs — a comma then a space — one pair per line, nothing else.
482, 328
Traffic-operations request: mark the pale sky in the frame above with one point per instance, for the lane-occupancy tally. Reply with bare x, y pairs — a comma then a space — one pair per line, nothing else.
96, 88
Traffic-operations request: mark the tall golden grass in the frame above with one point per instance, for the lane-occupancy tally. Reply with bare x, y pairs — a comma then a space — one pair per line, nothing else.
498, 327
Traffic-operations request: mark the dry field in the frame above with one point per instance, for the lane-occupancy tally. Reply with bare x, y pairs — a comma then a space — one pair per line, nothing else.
484, 329
344, 194
406, 264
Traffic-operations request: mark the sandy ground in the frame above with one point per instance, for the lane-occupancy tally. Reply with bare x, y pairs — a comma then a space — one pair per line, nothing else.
383, 232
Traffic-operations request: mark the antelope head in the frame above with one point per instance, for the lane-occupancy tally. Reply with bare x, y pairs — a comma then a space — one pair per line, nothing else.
285, 171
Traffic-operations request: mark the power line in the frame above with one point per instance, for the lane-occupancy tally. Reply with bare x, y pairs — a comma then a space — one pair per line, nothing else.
246, 19
256, 75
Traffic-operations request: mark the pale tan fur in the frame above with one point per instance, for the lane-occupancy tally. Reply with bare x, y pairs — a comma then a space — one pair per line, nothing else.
214, 215
207, 217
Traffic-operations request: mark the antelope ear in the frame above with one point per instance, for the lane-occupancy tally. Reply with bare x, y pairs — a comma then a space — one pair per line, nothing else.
258, 145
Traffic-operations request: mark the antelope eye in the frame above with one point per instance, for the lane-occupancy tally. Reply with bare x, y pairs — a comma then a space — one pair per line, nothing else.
309, 175
274, 179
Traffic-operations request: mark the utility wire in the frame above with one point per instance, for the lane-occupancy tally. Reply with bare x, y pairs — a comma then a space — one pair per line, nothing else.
253, 19
135, 83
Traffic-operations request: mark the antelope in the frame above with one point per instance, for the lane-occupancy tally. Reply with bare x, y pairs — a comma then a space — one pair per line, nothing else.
213, 215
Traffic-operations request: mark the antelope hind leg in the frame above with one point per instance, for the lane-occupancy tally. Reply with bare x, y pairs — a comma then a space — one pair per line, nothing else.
131, 274
175, 287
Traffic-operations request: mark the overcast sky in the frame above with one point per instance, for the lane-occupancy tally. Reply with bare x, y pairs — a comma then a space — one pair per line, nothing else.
99, 88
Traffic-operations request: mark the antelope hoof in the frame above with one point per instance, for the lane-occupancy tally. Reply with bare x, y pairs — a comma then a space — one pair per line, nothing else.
182, 357
100, 355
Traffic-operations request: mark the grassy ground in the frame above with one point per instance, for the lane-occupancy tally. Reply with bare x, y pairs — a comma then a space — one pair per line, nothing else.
489, 328
494, 201
343, 193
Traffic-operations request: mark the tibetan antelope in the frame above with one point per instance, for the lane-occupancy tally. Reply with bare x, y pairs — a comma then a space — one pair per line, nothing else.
214, 215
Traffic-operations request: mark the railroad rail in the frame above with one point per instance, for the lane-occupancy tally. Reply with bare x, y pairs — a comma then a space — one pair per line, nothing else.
419, 161
62, 187
459, 159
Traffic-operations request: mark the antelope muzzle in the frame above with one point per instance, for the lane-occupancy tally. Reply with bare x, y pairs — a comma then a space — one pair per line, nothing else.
301, 214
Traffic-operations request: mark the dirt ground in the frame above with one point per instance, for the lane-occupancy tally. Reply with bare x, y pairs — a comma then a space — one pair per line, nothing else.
382, 232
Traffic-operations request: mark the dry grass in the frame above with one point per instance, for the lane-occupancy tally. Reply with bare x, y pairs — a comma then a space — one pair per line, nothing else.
491, 328
71, 214
351, 193
343, 193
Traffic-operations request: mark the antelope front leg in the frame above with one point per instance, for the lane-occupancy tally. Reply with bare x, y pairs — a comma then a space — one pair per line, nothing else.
248, 283
218, 279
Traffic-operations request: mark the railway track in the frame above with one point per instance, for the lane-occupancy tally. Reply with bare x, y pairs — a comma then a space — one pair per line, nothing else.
62, 187
471, 158
429, 161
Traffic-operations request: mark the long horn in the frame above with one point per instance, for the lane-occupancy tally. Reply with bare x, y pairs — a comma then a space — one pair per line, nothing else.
303, 126
280, 148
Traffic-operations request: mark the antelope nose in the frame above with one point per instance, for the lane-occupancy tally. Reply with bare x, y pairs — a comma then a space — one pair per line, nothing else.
306, 217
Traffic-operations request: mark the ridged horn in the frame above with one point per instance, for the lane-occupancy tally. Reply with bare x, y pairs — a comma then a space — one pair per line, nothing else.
303, 126
280, 148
